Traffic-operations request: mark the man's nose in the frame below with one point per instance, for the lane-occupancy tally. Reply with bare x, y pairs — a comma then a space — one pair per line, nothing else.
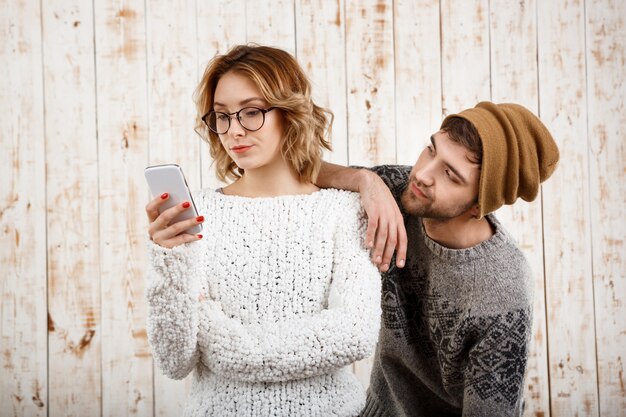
424, 175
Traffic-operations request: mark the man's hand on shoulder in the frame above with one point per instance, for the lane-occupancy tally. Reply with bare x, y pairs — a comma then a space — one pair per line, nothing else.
385, 225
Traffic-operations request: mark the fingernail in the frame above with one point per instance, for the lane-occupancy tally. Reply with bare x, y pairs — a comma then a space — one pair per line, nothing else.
401, 263
186, 204
200, 219
370, 244
164, 196
378, 259
199, 236
384, 268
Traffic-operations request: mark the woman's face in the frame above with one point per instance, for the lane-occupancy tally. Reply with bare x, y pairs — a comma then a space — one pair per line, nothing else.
249, 150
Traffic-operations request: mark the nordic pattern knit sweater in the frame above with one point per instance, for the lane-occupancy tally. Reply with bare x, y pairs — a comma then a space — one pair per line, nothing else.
456, 326
269, 307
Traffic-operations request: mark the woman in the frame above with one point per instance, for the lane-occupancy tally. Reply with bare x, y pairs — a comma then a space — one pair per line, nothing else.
280, 295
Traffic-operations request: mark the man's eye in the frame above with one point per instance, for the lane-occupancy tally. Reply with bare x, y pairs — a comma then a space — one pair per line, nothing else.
430, 149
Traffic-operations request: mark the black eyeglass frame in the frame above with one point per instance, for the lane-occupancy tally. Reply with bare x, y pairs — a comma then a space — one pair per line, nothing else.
230, 116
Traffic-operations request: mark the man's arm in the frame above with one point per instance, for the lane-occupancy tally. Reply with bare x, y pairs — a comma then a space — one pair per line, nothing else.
385, 225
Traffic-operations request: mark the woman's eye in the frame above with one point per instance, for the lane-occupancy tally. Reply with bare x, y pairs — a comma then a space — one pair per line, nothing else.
222, 117
251, 113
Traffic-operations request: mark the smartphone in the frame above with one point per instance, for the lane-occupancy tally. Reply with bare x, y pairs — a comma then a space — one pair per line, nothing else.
170, 179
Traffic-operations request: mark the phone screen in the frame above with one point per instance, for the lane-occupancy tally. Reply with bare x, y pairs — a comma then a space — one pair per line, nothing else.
170, 179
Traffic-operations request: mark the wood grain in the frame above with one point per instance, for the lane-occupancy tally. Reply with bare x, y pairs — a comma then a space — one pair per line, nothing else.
23, 309
369, 66
465, 72
74, 322
321, 51
606, 97
172, 77
121, 92
514, 74
567, 231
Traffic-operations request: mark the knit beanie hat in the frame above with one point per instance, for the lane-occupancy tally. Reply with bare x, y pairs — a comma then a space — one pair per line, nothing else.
518, 153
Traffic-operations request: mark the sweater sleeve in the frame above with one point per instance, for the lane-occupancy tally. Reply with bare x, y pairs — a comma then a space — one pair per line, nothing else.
306, 345
172, 309
494, 377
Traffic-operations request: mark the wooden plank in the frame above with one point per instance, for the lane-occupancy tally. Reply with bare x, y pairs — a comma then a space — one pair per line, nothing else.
72, 209
271, 23
606, 97
123, 153
569, 291
224, 32
513, 40
464, 54
23, 329
321, 51
172, 76
417, 76
370, 82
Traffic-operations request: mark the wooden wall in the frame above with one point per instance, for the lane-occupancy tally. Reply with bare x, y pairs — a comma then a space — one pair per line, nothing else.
92, 92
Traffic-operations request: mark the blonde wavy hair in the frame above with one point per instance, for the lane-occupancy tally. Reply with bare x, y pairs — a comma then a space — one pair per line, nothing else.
283, 85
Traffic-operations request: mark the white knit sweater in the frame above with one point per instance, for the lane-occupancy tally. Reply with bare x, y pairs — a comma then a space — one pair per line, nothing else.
269, 307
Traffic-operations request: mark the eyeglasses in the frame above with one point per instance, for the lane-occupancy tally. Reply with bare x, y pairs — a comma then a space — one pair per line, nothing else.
250, 118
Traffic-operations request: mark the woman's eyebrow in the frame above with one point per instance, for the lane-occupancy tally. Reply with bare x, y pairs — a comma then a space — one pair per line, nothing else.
246, 101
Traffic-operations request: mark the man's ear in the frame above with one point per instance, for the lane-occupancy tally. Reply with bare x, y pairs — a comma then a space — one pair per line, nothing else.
474, 211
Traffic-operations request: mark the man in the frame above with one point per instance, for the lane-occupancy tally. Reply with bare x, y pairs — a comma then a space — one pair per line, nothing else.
457, 318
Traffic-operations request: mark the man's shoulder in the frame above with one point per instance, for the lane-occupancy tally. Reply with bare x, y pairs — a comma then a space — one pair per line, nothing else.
393, 173
395, 177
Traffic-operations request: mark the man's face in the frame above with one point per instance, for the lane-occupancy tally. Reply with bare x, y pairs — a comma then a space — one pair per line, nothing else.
444, 181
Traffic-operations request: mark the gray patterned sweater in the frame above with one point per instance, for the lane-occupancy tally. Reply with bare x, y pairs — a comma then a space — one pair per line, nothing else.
456, 326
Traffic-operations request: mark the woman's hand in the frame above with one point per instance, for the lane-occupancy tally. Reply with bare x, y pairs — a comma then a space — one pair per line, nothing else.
162, 232
385, 225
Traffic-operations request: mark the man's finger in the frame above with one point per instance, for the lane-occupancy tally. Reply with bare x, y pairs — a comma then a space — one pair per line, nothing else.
379, 244
390, 246
372, 225
401, 246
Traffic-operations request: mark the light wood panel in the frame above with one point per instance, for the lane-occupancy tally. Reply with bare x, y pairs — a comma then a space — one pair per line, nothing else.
370, 82
417, 62
271, 23
464, 54
172, 76
321, 51
567, 248
23, 309
74, 322
513, 50
606, 97
121, 91
219, 29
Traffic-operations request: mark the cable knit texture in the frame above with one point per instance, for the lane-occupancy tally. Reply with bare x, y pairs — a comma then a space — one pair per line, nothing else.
269, 307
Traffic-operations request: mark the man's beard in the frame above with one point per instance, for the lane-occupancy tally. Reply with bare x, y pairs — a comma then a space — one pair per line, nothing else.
414, 207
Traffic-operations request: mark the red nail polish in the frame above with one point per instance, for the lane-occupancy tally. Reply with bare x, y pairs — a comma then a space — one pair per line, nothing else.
186, 204
164, 196
200, 219
199, 236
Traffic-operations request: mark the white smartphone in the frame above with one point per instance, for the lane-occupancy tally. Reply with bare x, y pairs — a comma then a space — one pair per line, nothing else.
170, 179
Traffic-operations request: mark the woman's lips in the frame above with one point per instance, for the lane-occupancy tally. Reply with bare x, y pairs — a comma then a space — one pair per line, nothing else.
240, 149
